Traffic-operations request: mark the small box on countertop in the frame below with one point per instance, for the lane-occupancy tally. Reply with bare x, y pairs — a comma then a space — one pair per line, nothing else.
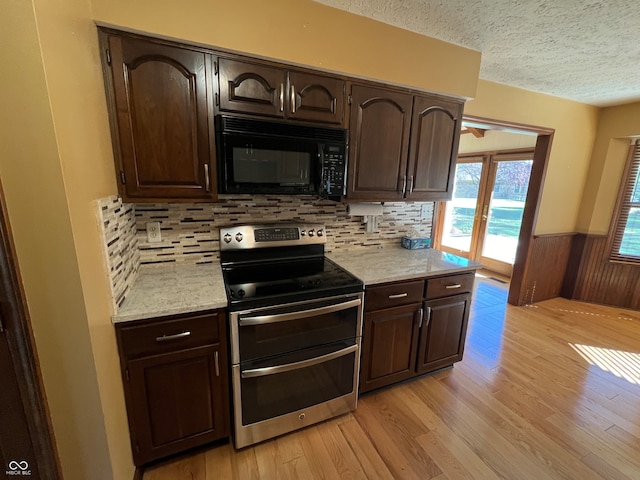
415, 243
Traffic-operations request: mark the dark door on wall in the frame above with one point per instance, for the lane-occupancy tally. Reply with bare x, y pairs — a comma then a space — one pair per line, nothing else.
26, 443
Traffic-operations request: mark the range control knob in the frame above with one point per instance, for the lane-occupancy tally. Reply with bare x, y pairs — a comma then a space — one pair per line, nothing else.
320, 232
241, 293
312, 232
303, 232
239, 237
227, 238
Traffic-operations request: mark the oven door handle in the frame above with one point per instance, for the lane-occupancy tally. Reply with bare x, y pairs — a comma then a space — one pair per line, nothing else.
283, 317
261, 372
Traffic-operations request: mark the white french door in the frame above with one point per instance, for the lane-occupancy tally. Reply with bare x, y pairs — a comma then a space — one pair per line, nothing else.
482, 221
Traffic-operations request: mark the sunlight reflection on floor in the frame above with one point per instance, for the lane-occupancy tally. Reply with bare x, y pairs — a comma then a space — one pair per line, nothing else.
622, 364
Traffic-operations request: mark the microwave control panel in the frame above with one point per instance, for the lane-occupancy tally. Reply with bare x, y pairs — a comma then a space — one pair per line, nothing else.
334, 168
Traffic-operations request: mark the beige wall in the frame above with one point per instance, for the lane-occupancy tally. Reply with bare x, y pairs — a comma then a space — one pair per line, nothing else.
575, 127
305, 33
70, 55
495, 140
610, 152
43, 139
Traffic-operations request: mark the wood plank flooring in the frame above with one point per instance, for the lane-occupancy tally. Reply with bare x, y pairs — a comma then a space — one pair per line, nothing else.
547, 391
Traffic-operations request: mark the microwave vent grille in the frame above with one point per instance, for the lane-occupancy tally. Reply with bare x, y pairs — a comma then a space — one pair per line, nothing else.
257, 127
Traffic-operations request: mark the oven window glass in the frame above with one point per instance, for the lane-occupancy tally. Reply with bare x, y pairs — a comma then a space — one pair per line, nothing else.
254, 165
268, 396
274, 338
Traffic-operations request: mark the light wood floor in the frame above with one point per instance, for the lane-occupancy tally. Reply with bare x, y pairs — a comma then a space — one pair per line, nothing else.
549, 391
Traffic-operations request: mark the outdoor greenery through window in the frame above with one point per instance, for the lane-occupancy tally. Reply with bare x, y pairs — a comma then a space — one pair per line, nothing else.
504, 197
626, 227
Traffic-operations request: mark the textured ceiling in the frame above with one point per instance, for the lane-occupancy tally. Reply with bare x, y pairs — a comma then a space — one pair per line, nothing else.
583, 50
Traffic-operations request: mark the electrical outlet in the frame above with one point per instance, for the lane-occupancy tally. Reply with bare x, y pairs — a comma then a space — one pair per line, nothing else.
153, 232
425, 213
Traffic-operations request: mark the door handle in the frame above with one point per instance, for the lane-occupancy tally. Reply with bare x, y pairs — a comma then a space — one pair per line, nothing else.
293, 99
282, 97
410, 184
261, 372
404, 184
284, 317
207, 182
485, 211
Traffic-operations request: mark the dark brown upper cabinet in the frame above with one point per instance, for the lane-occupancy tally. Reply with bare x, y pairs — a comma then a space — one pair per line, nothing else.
160, 118
435, 134
401, 146
379, 131
273, 91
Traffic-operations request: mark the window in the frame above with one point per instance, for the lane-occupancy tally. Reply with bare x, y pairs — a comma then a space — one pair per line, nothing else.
626, 225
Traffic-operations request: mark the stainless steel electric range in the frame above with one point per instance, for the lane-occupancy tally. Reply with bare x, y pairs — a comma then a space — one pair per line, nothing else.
295, 325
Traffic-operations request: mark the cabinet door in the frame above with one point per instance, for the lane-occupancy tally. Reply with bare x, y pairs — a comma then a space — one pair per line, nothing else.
251, 88
378, 143
443, 332
161, 115
390, 340
435, 134
177, 401
315, 98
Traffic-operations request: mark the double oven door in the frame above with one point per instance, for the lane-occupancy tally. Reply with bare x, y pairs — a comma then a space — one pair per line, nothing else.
294, 365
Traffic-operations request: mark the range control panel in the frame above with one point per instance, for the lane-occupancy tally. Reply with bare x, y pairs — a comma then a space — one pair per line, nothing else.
260, 236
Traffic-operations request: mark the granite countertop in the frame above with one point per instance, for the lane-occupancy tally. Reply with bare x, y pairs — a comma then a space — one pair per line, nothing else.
169, 289
391, 264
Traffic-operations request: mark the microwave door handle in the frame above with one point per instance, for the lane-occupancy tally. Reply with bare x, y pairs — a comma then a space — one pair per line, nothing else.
283, 317
261, 372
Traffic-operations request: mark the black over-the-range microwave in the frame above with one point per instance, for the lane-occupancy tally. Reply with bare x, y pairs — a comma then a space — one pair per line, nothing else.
270, 157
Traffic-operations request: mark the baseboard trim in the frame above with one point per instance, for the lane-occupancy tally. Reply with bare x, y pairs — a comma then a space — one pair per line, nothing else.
137, 475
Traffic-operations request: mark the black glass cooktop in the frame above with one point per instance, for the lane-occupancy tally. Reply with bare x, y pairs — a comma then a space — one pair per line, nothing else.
277, 283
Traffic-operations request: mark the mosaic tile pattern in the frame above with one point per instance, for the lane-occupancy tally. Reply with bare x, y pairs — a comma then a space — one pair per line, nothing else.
190, 232
121, 246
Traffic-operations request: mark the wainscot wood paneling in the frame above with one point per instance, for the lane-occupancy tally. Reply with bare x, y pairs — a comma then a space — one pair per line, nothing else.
545, 273
591, 277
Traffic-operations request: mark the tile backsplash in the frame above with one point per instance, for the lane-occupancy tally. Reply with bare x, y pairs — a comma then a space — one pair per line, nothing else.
121, 246
190, 231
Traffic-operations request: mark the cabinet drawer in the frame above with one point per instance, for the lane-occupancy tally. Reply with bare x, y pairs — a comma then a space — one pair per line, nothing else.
393, 295
450, 285
160, 336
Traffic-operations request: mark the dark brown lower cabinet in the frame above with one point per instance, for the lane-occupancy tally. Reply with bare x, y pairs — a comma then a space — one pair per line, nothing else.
443, 332
176, 383
390, 346
410, 338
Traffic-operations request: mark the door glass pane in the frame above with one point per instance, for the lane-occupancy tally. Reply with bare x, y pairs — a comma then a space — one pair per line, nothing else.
460, 211
631, 239
505, 210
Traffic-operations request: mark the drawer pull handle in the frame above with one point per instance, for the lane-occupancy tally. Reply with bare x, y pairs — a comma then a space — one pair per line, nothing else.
399, 295
166, 338
455, 285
